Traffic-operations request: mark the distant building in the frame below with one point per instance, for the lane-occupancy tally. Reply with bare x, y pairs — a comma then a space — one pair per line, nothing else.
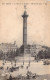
33, 49
7, 47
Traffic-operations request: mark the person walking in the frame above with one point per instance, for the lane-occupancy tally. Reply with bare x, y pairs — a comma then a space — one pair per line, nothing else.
10, 78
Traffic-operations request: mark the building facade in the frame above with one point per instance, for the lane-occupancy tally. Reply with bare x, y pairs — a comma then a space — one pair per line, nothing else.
8, 47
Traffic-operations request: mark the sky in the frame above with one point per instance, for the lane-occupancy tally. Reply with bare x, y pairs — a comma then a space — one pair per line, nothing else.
38, 22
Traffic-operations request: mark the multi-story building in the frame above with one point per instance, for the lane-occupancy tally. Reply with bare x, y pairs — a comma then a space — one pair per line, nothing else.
7, 47
33, 49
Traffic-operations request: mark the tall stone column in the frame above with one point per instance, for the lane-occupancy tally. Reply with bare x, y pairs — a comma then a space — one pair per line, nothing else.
25, 30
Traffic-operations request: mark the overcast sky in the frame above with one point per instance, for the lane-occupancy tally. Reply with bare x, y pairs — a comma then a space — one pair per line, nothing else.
38, 23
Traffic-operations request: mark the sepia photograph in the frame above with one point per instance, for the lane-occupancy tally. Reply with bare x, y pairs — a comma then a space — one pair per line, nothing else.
24, 39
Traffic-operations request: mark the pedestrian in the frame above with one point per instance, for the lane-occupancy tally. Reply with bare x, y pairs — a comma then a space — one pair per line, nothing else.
10, 78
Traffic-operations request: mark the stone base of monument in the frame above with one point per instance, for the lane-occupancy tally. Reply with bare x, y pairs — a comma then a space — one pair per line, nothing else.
26, 58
